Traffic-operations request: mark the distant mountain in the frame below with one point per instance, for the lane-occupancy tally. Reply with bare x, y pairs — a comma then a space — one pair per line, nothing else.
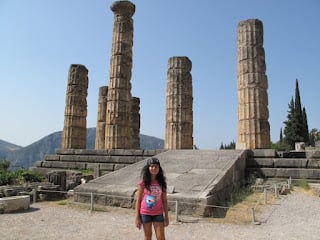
6, 147
25, 157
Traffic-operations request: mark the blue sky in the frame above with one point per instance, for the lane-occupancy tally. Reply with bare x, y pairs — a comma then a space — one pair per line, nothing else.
39, 40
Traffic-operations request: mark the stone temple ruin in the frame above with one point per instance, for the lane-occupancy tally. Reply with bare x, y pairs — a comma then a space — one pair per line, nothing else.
199, 177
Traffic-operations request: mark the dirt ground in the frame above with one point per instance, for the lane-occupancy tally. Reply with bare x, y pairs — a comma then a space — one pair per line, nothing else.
293, 216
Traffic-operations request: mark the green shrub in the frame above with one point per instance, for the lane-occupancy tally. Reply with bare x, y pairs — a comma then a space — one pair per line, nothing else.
5, 178
303, 183
18, 176
87, 171
4, 165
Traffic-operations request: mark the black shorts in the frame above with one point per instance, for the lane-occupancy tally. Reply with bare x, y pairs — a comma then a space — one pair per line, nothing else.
150, 218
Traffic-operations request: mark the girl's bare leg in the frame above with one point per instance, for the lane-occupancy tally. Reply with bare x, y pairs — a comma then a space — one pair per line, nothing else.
159, 230
147, 229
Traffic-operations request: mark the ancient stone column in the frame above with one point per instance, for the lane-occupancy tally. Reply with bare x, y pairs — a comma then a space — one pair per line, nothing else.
253, 113
135, 123
75, 123
179, 99
101, 119
118, 129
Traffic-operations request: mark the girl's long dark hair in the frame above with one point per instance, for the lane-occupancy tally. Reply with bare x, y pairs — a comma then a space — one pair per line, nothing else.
146, 178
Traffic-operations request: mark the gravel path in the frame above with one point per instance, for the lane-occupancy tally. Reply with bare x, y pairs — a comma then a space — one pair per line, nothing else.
295, 216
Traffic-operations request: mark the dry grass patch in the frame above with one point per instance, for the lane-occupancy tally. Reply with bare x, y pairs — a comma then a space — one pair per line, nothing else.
241, 213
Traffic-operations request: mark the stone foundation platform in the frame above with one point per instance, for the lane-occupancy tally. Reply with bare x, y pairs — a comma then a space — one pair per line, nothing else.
100, 161
197, 178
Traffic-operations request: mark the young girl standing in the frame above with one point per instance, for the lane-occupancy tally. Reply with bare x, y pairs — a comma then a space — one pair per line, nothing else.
152, 203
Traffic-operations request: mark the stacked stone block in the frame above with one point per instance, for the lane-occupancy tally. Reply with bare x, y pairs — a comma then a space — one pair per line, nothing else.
118, 128
179, 99
253, 114
75, 122
101, 119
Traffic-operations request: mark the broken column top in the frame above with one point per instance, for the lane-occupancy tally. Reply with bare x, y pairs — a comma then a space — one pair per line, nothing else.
123, 8
253, 21
250, 33
180, 62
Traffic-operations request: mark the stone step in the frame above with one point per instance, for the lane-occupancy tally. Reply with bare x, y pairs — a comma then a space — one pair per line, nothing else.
109, 152
283, 163
95, 159
296, 173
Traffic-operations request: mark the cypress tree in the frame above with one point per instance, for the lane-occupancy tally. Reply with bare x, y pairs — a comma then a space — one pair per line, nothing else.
298, 115
290, 126
281, 136
296, 126
305, 126
221, 146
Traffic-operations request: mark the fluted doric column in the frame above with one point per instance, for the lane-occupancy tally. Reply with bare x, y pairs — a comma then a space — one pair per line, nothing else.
253, 113
75, 116
118, 123
101, 119
135, 123
179, 99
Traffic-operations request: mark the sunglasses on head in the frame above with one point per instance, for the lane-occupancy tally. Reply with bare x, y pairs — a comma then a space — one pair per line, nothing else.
153, 161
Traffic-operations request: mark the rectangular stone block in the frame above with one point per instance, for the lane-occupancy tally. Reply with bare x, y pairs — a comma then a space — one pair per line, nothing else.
52, 158
260, 162
64, 151
106, 167
267, 172
56, 164
85, 152
290, 163
99, 159
152, 152
298, 173
80, 165
38, 163
263, 153
73, 158
124, 159
313, 163
15, 203
119, 166
91, 165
